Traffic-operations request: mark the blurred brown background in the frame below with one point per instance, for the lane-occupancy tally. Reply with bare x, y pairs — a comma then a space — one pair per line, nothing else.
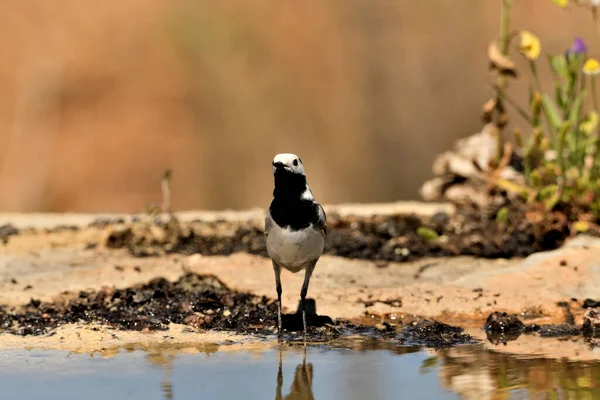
99, 97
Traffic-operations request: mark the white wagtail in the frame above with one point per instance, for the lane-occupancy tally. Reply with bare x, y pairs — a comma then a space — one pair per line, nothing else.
295, 226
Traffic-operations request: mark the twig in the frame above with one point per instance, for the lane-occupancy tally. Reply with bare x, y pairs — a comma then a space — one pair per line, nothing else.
165, 186
504, 41
513, 103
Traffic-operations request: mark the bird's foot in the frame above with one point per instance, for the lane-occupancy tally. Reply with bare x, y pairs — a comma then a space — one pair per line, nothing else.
279, 324
304, 320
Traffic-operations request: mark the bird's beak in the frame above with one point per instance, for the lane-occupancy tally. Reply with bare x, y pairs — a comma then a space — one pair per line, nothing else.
278, 165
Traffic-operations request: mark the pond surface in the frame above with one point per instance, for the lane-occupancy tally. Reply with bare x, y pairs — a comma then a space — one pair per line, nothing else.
468, 372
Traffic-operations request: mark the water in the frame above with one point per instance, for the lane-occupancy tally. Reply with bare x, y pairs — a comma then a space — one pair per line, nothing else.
212, 372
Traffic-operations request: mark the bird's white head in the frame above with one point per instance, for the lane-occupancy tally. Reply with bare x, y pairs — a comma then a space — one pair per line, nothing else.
288, 162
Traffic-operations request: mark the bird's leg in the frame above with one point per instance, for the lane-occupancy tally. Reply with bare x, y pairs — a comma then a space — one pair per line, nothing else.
278, 395
307, 275
277, 270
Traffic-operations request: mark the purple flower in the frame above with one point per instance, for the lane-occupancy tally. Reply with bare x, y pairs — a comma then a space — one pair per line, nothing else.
579, 46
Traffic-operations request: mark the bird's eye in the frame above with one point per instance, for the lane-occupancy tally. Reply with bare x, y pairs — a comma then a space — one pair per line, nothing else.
295, 163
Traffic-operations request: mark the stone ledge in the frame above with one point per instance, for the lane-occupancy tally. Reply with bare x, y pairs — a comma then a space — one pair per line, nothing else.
49, 220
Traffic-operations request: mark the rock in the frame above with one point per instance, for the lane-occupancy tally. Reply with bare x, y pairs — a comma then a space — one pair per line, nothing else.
6, 231
461, 174
381, 327
434, 189
119, 238
432, 333
589, 303
502, 322
467, 194
196, 320
559, 330
591, 323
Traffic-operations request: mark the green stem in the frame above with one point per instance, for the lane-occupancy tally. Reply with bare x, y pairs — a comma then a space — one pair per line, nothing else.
571, 96
510, 101
594, 94
562, 138
536, 77
581, 157
504, 42
597, 109
538, 87
504, 19
595, 18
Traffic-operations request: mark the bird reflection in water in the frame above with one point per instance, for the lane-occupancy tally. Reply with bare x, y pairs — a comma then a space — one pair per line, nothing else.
302, 386
163, 360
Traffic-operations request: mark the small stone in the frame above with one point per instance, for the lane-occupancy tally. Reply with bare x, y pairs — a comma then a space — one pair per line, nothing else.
196, 320
226, 313
502, 322
591, 322
380, 327
590, 303
8, 229
186, 306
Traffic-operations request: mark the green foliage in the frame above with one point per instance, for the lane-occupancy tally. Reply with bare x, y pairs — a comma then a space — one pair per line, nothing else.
427, 233
502, 216
561, 154
428, 364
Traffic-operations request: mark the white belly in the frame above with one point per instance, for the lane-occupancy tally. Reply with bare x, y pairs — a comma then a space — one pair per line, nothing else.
293, 249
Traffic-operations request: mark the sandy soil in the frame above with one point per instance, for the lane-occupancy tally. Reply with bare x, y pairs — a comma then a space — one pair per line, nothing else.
461, 291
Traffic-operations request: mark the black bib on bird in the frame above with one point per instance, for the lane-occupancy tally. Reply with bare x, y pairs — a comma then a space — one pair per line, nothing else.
288, 208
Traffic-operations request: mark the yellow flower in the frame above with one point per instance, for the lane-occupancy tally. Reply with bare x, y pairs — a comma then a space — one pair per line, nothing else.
530, 45
590, 123
561, 3
591, 67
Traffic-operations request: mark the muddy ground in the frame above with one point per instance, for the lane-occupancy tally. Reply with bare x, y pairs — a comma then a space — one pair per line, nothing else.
204, 303
388, 276
374, 237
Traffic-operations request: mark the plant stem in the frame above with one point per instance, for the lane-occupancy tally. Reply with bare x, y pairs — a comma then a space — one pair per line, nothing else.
595, 104
538, 88
577, 130
504, 19
504, 41
510, 101
536, 77
594, 94
595, 18
165, 186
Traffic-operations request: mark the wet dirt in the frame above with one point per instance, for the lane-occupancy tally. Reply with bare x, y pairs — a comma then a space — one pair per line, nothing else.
6, 231
240, 301
503, 328
205, 303
197, 301
384, 238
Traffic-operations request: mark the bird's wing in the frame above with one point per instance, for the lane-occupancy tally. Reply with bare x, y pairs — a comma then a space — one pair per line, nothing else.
320, 223
268, 223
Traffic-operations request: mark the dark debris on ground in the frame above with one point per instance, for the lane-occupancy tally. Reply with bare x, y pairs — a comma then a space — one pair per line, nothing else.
198, 301
503, 327
203, 303
385, 238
